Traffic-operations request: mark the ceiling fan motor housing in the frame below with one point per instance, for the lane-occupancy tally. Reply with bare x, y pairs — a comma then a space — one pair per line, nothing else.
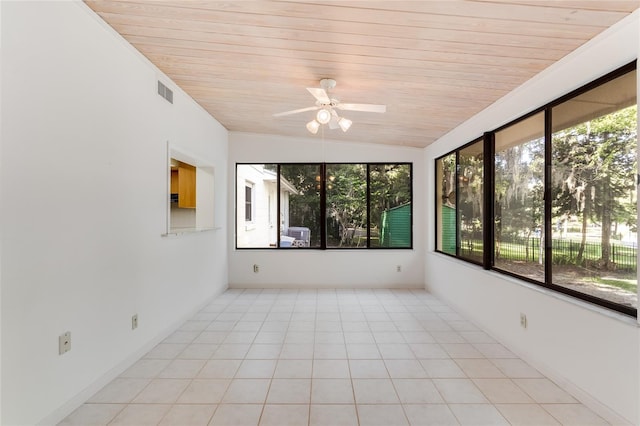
327, 83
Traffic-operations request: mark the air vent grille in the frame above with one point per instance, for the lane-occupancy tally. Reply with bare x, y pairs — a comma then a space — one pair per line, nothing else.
165, 92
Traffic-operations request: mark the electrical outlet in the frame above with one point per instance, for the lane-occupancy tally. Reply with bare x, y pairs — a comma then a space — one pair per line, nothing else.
134, 322
398, 268
64, 343
256, 268
523, 320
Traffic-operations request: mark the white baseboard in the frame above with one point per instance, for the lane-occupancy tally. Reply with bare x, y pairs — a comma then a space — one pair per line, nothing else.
70, 406
349, 286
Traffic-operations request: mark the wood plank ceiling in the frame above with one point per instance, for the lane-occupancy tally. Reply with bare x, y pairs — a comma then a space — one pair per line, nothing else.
433, 63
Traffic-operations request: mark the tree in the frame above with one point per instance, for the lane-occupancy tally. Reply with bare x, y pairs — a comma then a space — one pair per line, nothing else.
448, 183
446, 171
471, 199
346, 196
519, 189
594, 168
390, 186
346, 200
304, 207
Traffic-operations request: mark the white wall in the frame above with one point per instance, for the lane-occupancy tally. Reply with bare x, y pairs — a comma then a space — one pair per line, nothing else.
84, 198
182, 218
589, 350
328, 268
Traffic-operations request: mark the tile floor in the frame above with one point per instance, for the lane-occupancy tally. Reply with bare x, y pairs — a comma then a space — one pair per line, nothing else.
330, 357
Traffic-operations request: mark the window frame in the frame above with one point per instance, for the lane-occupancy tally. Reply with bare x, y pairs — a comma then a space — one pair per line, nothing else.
249, 202
323, 199
488, 262
456, 152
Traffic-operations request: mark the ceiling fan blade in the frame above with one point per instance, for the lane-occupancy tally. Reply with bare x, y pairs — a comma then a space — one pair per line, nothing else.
333, 124
320, 95
362, 107
296, 111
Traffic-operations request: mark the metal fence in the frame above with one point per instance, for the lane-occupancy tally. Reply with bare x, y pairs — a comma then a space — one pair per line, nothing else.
565, 252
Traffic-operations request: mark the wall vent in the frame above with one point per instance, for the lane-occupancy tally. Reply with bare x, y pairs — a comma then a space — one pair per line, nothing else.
165, 92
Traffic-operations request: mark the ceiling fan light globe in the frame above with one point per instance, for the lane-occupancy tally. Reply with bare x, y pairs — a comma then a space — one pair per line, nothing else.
313, 126
323, 116
344, 124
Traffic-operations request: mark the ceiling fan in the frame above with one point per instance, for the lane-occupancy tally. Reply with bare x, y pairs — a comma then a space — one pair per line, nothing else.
327, 106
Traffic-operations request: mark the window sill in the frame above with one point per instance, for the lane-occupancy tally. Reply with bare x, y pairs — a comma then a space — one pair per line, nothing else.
178, 232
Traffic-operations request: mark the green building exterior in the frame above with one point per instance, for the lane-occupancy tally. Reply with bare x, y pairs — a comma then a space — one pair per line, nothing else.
448, 229
396, 227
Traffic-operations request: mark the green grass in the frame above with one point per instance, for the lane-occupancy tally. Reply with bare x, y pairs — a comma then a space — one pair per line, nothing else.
629, 285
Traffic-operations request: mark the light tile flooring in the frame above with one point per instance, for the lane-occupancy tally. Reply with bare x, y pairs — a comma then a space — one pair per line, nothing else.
330, 357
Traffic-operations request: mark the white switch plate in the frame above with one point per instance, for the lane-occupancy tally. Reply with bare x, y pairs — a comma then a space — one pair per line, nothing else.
134, 322
523, 320
64, 343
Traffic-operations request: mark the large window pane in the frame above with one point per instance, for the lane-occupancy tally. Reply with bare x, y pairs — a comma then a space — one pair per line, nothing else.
257, 205
519, 204
470, 201
346, 189
446, 204
594, 193
300, 215
323, 205
390, 205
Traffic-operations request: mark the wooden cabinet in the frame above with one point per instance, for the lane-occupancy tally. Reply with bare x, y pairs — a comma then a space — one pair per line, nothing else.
174, 181
183, 183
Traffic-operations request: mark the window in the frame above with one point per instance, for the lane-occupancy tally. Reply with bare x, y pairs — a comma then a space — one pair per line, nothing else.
300, 207
248, 203
318, 205
446, 204
460, 202
389, 206
346, 211
559, 207
594, 215
256, 211
470, 180
518, 198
